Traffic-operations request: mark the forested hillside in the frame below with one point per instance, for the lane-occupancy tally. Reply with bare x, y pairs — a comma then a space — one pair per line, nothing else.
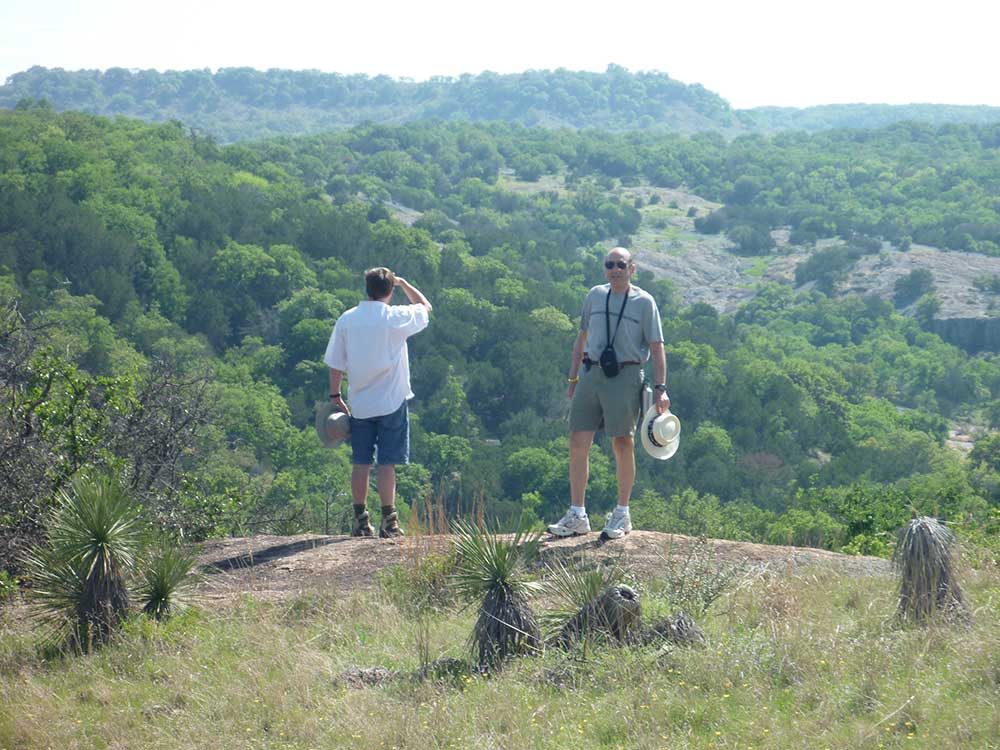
235, 104
161, 274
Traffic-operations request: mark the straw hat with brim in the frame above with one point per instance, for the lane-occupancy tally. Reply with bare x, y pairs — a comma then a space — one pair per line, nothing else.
332, 425
661, 434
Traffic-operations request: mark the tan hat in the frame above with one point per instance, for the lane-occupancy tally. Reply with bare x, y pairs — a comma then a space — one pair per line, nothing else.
332, 425
661, 434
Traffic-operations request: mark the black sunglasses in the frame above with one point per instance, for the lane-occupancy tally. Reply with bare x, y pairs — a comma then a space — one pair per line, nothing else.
609, 264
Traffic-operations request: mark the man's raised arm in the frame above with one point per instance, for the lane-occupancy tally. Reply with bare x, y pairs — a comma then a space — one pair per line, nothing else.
413, 294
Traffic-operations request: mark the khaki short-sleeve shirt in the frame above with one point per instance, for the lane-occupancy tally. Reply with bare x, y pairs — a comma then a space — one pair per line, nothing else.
640, 323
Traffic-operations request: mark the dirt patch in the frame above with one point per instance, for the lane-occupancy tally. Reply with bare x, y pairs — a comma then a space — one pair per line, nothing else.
278, 567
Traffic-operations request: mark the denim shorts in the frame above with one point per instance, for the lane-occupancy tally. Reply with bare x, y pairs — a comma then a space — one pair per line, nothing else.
390, 434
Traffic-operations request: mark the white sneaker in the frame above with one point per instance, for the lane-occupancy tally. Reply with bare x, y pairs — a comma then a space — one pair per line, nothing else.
618, 525
570, 524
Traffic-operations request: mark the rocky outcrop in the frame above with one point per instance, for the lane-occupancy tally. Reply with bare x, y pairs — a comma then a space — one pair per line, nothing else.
703, 269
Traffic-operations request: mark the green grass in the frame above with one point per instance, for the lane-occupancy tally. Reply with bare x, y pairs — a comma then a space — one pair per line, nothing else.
811, 661
546, 182
759, 267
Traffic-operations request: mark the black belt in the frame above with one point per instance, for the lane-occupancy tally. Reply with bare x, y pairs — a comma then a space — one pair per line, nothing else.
588, 362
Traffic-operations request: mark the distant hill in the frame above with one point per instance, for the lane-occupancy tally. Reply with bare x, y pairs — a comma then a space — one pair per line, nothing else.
867, 116
242, 103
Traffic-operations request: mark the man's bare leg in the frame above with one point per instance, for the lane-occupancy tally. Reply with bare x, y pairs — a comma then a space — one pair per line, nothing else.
624, 448
579, 466
385, 478
359, 483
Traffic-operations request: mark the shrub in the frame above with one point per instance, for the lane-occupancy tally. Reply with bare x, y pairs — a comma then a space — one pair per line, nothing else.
912, 287
422, 584
694, 577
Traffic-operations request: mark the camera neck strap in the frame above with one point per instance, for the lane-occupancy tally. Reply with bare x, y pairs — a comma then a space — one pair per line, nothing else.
607, 318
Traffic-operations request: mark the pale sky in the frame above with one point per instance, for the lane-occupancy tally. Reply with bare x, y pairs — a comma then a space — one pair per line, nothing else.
751, 52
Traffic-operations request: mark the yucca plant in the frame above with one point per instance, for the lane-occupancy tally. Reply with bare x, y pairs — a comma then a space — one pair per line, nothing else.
568, 591
78, 578
926, 557
592, 603
494, 569
165, 581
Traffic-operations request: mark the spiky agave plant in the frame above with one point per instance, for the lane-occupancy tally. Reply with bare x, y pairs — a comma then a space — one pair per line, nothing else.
494, 568
79, 576
926, 557
568, 591
165, 581
591, 603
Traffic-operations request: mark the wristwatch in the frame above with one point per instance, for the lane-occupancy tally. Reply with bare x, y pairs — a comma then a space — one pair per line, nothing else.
660, 387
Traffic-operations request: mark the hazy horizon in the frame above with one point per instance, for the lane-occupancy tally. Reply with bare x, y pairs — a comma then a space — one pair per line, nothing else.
772, 53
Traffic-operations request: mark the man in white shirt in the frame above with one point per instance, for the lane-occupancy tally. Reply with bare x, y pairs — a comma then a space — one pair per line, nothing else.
368, 344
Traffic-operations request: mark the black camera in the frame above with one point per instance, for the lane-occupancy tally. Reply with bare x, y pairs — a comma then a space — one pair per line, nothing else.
609, 362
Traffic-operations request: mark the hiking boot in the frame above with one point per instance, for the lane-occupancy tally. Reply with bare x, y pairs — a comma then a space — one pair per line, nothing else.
619, 523
363, 525
390, 526
570, 525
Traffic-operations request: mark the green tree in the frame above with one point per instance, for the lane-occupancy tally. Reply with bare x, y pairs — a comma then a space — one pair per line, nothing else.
912, 286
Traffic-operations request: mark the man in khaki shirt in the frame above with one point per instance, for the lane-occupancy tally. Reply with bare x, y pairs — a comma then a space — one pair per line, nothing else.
625, 317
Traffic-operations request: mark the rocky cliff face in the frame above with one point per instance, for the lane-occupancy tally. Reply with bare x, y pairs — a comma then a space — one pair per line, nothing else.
972, 334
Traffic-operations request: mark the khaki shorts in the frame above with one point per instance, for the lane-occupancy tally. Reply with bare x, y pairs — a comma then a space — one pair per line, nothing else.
611, 402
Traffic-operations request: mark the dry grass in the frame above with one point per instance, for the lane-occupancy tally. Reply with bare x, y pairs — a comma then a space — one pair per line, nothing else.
814, 661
